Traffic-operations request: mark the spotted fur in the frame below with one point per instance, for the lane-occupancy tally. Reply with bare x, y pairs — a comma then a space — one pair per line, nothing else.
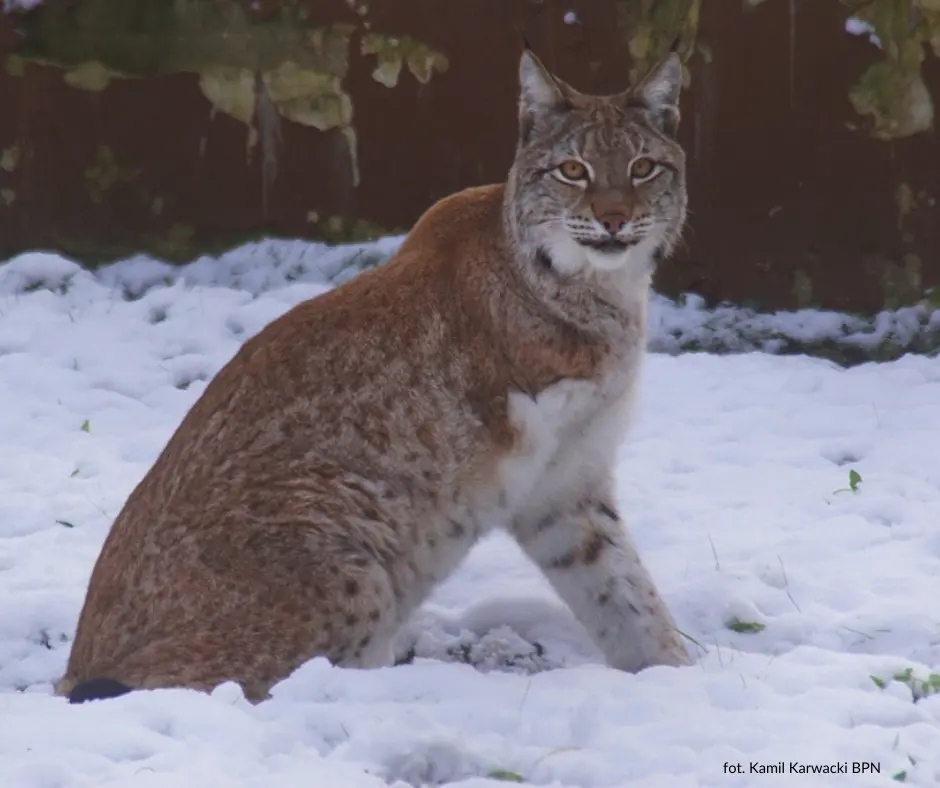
349, 456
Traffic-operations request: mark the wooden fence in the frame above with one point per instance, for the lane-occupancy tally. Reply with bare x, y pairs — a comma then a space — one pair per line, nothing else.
180, 128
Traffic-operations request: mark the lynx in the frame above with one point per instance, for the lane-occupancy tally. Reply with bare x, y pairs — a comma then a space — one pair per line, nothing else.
350, 454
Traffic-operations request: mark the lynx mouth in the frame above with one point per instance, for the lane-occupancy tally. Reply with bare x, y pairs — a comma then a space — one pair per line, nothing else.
609, 245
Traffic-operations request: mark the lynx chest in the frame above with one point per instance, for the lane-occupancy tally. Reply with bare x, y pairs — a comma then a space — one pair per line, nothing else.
568, 436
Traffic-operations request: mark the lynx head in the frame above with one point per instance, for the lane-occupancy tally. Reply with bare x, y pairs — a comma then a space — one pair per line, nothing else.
598, 181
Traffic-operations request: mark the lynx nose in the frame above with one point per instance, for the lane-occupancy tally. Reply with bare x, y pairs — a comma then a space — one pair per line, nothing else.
613, 221
612, 214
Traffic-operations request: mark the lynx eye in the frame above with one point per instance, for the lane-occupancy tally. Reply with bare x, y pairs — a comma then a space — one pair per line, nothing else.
642, 168
573, 170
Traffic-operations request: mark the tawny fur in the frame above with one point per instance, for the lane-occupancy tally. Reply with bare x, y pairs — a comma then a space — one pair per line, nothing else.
349, 455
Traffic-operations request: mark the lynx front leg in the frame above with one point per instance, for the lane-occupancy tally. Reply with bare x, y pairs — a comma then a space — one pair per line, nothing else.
593, 564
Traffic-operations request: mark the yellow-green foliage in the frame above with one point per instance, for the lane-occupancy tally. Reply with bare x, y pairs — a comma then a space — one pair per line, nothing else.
892, 91
652, 26
394, 51
299, 65
285, 65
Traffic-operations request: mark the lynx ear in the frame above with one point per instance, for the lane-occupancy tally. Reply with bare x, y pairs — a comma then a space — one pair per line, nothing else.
658, 92
540, 93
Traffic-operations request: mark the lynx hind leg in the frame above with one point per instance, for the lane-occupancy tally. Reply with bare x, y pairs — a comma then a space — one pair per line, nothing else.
349, 618
592, 563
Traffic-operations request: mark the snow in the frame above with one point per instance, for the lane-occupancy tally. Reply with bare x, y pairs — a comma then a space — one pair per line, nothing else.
689, 325
735, 484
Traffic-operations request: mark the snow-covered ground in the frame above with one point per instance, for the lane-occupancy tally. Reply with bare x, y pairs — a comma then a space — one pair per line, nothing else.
805, 597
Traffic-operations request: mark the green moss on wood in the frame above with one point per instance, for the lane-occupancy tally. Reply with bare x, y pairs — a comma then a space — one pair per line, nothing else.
285, 62
145, 38
93, 76
892, 92
652, 26
246, 67
392, 52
